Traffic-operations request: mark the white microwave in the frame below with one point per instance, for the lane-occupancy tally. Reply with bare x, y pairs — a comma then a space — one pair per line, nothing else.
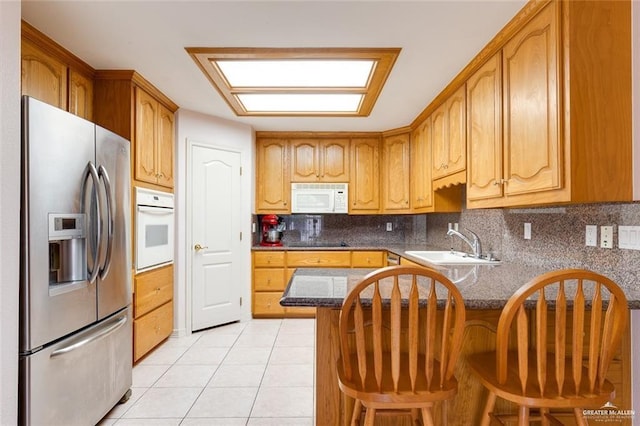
319, 197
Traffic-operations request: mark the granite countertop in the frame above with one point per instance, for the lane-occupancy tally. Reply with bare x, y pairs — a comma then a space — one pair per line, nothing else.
482, 286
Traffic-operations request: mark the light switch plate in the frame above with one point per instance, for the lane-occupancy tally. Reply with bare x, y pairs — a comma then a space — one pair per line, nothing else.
527, 231
629, 237
591, 236
606, 236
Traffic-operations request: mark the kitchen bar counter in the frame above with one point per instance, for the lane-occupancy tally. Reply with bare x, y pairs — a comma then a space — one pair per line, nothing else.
482, 286
485, 289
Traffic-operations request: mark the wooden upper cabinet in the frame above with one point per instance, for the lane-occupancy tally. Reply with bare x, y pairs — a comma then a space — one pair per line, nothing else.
334, 160
532, 142
449, 135
305, 160
565, 110
165, 146
484, 132
54, 75
421, 189
364, 185
43, 76
319, 160
146, 136
395, 176
154, 138
273, 184
80, 95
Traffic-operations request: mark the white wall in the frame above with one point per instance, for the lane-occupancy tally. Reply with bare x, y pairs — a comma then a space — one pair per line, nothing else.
219, 133
9, 207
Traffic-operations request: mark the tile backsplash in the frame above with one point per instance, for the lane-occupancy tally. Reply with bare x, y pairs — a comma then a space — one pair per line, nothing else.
353, 230
557, 234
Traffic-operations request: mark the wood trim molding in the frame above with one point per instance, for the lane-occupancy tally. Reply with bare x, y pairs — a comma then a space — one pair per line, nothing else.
459, 178
138, 80
314, 135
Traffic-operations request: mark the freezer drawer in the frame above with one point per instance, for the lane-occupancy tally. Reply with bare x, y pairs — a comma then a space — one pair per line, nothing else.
78, 380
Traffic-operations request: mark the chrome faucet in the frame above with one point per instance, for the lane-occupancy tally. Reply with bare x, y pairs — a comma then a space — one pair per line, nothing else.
476, 247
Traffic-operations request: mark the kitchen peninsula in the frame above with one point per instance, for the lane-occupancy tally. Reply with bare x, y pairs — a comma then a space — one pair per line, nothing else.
485, 290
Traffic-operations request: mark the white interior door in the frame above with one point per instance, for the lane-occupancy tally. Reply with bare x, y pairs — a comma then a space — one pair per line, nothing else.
215, 237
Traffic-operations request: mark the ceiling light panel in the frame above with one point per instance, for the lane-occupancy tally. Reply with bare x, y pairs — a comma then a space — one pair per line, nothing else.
296, 73
297, 81
301, 102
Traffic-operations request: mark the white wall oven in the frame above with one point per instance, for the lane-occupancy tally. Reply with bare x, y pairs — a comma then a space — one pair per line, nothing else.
154, 229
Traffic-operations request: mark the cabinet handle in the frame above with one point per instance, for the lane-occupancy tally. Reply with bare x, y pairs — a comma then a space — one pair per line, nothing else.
285, 203
158, 290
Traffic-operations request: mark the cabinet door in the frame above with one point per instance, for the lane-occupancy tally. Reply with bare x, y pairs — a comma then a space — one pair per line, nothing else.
395, 173
273, 186
334, 160
305, 161
80, 95
43, 77
456, 132
532, 144
421, 189
439, 141
484, 132
164, 148
364, 184
146, 136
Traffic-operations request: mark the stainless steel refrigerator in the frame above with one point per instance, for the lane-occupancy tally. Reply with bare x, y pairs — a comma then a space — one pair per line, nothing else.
75, 287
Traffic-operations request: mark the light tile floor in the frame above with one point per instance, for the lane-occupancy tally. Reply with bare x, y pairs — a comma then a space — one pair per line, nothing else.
254, 373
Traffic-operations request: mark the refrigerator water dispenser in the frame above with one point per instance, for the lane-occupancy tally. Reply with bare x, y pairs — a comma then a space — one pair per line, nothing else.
67, 248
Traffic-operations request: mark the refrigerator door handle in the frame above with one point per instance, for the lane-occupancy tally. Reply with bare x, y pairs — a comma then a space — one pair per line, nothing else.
107, 329
90, 171
104, 270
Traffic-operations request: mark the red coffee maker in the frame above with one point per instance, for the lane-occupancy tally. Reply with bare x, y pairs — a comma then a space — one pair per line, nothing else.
272, 228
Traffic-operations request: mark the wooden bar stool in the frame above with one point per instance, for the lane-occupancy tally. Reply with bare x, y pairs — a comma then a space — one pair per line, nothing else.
398, 351
562, 370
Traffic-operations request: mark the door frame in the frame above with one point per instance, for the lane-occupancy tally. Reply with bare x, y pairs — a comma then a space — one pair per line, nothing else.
245, 244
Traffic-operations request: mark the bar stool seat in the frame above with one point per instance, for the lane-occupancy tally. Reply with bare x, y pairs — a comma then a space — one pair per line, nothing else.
400, 337
537, 364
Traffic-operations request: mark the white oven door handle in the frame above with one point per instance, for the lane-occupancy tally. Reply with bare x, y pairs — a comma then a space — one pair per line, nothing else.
155, 210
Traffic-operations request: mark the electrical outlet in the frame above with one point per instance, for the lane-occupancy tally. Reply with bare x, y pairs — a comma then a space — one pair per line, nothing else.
527, 231
389, 226
591, 236
606, 236
253, 227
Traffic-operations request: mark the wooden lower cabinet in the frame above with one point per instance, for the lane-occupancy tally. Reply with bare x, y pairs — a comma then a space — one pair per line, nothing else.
272, 270
152, 309
368, 259
152, 329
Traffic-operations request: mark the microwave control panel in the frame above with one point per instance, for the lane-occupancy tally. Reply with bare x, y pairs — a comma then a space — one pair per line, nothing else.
341, 201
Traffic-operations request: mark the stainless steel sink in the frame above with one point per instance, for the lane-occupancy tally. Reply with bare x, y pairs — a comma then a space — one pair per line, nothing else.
448, 257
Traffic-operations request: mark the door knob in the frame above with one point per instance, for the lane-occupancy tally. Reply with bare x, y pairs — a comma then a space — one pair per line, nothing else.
198, 247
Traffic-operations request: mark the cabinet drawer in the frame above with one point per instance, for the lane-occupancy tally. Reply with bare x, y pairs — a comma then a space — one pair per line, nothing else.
152, 329
268, 279
319, 258
368, 259
152, 289
267, 304
268, 259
